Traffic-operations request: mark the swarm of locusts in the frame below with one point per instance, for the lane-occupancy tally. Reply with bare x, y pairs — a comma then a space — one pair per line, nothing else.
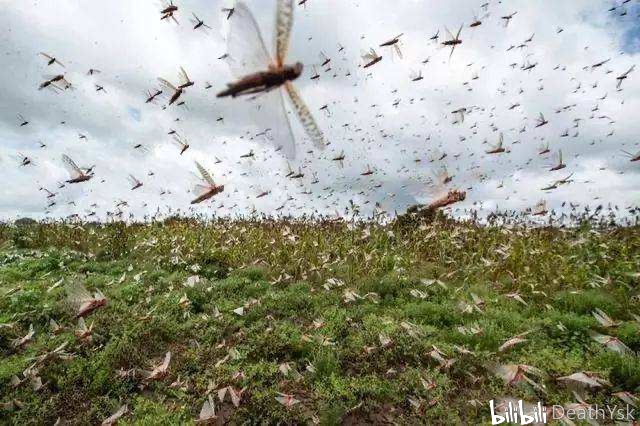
281, 317
314, 321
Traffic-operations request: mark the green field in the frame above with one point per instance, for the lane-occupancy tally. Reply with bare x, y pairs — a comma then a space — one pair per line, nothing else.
342, 318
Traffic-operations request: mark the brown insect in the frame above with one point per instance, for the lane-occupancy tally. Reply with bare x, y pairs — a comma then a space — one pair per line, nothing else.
560, 165
451, 197
84, 302
177, 91
135, 183
51, 60
259, 73
633, 157
371, 58
624, 76
168, 11
453, 41
498, 149
394, 43
78, 175
159, 372
57, 82
207, 188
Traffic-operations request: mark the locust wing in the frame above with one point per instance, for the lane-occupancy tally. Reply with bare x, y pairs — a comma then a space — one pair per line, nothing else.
268, 112
183, 75
281, 133
306, 118
247, 51
370, 55
77, 296
71, 167
451, 37
133, 180
208, 411
165, 84
199, 190
398, 51
284, 22
432, 188
179, 141
205, 174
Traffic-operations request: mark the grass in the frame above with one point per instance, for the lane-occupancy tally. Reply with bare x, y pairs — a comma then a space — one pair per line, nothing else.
407, 283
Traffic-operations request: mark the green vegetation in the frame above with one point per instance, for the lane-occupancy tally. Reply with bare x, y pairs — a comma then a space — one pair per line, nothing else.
343, 318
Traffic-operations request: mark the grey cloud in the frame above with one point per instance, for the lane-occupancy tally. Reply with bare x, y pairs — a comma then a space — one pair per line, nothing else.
132, 47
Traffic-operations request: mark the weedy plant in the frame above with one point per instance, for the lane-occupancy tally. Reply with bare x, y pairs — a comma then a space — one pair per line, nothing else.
265, 320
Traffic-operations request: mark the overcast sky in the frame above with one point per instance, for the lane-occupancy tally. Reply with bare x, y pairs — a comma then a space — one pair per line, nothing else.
378, 116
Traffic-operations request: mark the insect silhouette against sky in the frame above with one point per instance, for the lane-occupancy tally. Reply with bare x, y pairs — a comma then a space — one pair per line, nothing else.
22, 120
394, 45
51, 59
371, 58
207, 188
168, 12
258, 73
198, 23
77, 174
624, 76
453, 41
177, 91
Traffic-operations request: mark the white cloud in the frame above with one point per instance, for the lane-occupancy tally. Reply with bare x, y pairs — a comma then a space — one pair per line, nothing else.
131, 46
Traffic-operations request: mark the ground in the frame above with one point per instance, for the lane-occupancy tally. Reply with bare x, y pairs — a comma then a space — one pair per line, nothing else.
343, 318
